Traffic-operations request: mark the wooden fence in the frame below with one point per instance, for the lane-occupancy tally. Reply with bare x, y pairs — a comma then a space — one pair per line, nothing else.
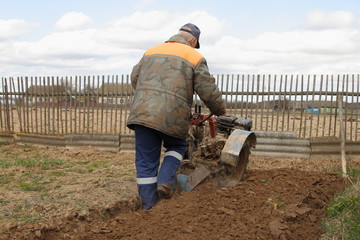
57, 106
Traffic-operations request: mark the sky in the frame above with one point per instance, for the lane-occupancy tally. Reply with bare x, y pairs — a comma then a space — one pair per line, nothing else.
108, 37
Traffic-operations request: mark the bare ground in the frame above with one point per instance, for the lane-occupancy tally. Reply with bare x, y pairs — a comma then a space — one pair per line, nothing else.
85, 193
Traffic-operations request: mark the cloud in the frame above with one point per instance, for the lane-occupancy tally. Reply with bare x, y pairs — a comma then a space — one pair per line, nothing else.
13, 28
115, 47
302, 51
144, 29
143, 3
333, 46
72, 21
327, 20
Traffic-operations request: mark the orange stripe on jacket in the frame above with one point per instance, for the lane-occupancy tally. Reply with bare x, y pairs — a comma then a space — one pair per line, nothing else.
176, 49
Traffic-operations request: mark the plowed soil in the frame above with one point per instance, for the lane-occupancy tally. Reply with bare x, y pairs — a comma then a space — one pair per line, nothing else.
279, 199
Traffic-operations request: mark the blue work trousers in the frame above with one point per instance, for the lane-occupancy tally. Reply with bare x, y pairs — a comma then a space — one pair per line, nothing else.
148, 149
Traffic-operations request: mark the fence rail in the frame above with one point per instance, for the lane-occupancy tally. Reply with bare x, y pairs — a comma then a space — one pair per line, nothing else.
56, 106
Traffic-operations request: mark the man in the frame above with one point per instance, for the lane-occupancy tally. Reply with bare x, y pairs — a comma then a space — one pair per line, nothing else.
164, 81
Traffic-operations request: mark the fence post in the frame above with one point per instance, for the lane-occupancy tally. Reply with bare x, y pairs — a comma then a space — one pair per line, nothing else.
342, 135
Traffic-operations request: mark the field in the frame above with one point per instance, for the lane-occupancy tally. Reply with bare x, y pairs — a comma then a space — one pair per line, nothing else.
84, 193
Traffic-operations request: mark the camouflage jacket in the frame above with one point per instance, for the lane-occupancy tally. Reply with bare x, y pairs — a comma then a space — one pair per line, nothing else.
164, 81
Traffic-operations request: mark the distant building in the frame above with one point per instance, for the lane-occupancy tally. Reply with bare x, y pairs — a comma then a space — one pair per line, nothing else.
115, 93
48, 94
322, 107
